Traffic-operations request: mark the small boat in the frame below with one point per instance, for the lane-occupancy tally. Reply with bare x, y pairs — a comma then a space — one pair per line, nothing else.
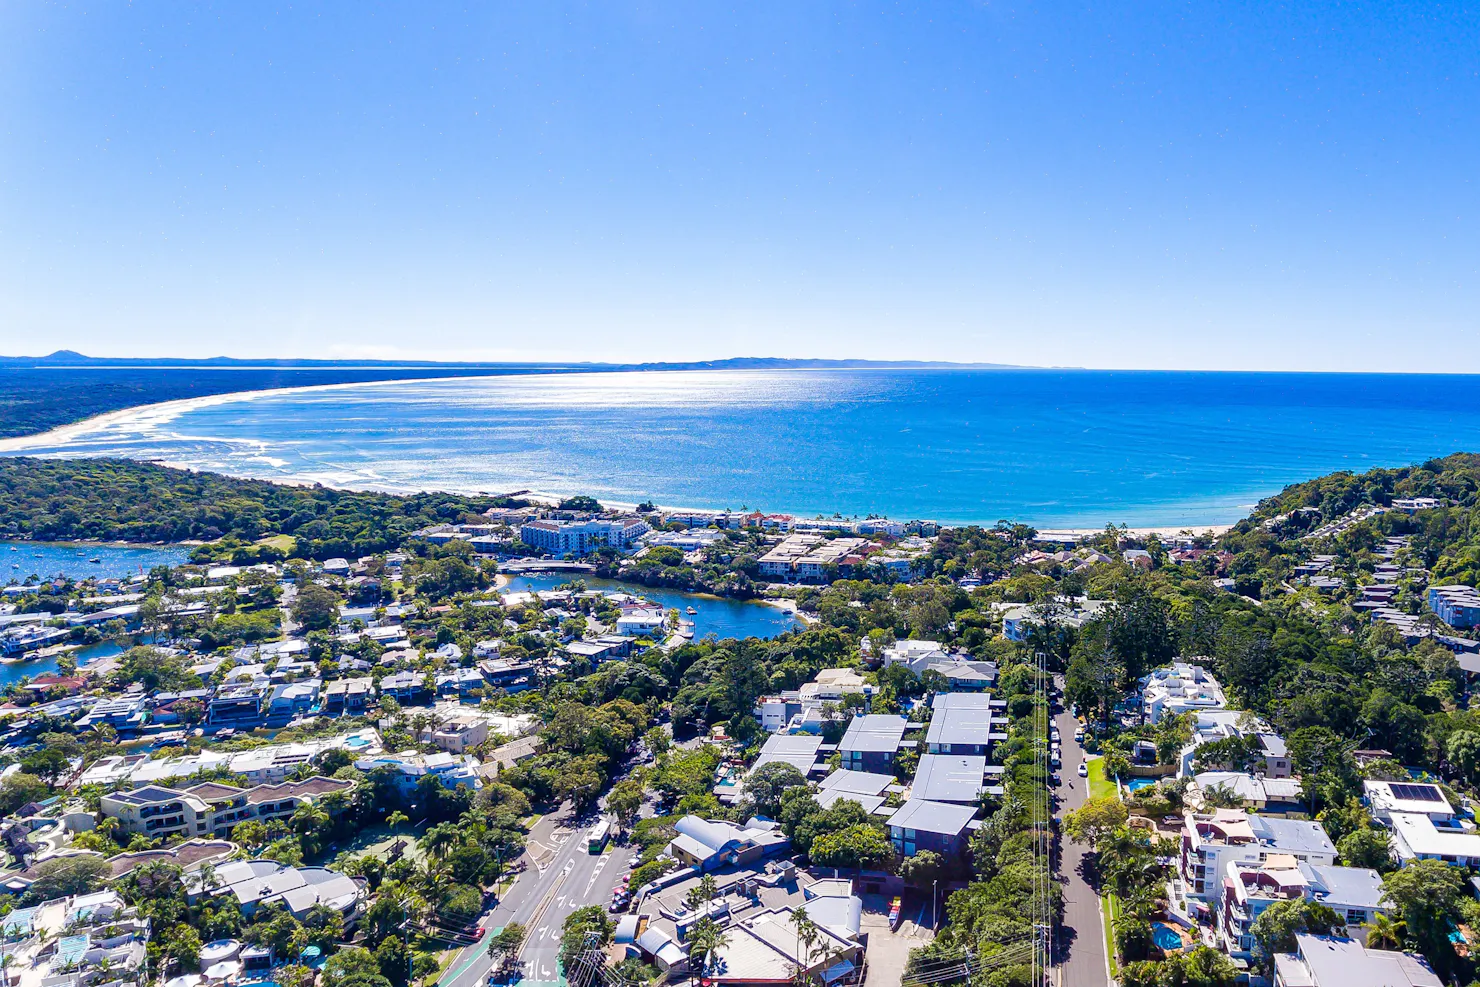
691, 610
96, 561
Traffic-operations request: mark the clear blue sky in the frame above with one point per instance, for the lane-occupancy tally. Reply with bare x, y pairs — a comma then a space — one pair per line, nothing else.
1139, 184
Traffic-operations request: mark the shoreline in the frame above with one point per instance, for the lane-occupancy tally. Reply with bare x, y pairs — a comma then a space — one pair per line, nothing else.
146, 416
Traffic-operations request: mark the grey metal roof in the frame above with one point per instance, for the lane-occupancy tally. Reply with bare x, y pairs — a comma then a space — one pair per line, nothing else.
959, 726
1292, 835
861, 782
933, 817
874, 732
949, 778
961, 700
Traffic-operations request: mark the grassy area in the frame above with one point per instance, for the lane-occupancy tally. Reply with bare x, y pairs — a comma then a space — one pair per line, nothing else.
1110, 912
286, 544
1099, 785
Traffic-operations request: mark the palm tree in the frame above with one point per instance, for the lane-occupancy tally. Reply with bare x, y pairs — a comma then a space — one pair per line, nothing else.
1384, 933
807, 934
702, 894
395, 819
441, 838
705, 939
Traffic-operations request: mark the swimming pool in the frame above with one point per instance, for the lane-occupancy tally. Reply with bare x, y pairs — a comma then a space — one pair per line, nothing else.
1167, 939
1136, 784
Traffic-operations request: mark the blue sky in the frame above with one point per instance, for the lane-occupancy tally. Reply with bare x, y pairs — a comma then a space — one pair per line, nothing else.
1205, 185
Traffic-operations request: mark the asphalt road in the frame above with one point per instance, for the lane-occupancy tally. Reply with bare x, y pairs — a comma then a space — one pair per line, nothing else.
1080, 944
560, 876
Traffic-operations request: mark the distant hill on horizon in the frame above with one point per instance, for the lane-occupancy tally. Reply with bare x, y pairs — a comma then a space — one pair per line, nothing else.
70, 359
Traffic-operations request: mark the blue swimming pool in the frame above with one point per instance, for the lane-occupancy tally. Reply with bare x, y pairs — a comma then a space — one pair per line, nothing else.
1167, 939
1136, 784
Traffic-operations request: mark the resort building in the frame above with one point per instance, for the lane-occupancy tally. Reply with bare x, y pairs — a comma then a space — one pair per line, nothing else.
956, 778
808, 558
1211, 841
872, 741
942, 827
210, 808
411, 767
1457, 606
1181, 687
1212, 725
962, 723
583, 537
1354, 893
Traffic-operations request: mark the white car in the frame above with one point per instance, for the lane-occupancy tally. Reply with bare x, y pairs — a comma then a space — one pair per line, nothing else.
1083, 770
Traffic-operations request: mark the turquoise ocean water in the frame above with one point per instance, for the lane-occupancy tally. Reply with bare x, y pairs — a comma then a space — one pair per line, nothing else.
1056, 448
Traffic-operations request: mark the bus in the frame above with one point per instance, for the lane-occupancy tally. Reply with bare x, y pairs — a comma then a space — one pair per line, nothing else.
600, 833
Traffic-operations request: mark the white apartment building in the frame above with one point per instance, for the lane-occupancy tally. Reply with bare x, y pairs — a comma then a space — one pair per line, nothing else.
582, 537
1212, 725
1211, 841
1354, 893
1181, 687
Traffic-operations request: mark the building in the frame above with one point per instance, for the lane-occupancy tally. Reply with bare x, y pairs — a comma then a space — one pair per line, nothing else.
868, 790
705, 845
1019, 622
832, 684
411, 767
961, 728
872, 741
808, 557
1210, 841
126, 714
235, 708
775, 712
1384, 798
1416, 837
1270, 796
583, 537
1325, 961
253, 884
1213, 725
690, 540
289, 701
798, 750
209, 808
407, 688
1179, 688
349, 696
457, 735
957, 778
642, 621
1354, 893
1458, 606
763, 948
941, 827
461, 682
1412, 505
914, 654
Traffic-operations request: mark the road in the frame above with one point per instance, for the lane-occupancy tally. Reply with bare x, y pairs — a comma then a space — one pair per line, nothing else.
1081, 940
560, 876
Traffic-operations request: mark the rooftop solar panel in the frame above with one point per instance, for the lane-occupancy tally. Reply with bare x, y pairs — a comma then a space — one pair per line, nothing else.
1417, 793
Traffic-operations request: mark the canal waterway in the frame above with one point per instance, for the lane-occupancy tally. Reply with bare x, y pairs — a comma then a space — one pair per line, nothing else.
722, 617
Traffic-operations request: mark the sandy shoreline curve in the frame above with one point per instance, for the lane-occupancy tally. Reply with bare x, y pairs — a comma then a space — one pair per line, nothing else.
164, 411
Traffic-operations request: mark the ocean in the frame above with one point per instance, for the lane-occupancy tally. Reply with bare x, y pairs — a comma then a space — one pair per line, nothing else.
1053, 448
